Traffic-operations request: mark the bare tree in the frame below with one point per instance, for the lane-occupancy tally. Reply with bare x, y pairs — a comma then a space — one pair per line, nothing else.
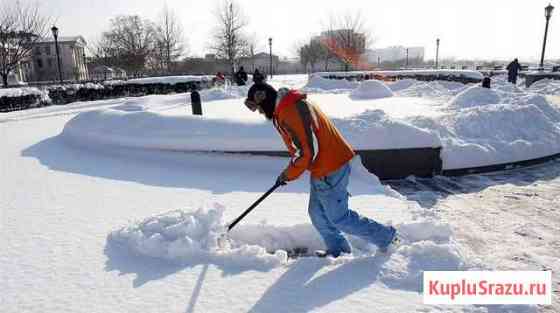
250, 49
347, 38
20, 28
170, 40
128, 43
229, 41
310, 53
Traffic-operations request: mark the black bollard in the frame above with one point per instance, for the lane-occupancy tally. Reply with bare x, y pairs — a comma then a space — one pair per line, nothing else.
486, 82
196, 103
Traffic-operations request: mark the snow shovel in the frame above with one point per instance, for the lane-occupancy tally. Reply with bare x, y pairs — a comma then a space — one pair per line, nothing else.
223, 237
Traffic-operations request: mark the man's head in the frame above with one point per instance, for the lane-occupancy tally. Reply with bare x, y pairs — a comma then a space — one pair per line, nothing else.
262, 97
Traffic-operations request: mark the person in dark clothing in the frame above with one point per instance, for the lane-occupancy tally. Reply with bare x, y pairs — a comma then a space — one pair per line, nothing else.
258, 78
241, 77
513, 69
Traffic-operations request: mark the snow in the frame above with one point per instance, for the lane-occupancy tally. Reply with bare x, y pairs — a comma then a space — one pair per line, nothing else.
90, 227
401, 84
130, 126
171, 80
457, 73
546, 87
474, 96
318, 84
475, 126
371, 89
495, 134
19, 92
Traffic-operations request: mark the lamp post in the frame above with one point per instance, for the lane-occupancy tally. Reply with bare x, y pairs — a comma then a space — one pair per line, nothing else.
406, 58
54, 30
270, 48
547, 15
86, 72
437, 53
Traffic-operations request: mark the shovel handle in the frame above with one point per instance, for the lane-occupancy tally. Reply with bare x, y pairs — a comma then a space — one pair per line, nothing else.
254, 205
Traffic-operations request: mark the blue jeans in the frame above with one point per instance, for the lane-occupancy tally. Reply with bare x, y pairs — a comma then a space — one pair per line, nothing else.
330, 215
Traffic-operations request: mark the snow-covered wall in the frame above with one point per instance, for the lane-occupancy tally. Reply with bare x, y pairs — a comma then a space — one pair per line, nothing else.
475, 75
130, 127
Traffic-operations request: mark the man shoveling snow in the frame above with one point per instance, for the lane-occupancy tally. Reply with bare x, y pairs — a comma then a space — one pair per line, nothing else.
316, 145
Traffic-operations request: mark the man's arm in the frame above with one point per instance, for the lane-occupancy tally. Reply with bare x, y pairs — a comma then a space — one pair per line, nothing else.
299, 129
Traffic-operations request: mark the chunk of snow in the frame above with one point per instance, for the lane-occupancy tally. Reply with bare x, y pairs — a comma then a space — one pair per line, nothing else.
474, 96
371, 89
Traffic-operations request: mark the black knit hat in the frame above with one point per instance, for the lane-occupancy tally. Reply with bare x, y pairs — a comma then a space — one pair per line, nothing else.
262, 95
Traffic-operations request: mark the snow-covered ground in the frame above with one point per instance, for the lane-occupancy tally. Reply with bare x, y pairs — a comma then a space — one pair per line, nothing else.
92, 227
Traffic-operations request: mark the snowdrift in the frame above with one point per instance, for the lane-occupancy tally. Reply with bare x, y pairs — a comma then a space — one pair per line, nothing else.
371, 89
496, 133
474, 96
192, 237
128, 127
435, 89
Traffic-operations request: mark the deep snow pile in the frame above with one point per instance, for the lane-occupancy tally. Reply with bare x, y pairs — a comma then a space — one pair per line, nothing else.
475, 126
401, 84
495, 133
433, 89
371, 89
474, 96
546, 87
193, 237
128, 127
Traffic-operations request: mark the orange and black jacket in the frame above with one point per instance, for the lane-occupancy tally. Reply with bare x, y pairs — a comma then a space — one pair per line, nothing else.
312, 140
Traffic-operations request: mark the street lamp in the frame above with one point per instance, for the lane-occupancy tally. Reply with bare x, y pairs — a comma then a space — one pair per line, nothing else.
54, 30
437, 53
270, 48
85, 66
407, 58
547, 15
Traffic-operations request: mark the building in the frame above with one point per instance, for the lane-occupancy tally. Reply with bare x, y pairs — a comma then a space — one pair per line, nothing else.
394, 53
44, 64
260, 61
102, 73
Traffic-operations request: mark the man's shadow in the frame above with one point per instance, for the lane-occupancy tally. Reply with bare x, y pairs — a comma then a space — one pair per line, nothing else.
299, 291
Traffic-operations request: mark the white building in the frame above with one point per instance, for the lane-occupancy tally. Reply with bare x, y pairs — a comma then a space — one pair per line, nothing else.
44, 64
260, 61
102, 73
395, 53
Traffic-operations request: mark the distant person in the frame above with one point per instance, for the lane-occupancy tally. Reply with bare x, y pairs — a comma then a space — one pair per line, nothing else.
219, 79
513, 69
258, 78
241, 77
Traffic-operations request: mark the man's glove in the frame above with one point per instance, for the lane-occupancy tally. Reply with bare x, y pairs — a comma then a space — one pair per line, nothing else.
281, 180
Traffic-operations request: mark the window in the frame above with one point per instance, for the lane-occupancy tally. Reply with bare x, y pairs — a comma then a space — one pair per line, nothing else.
37, 51
47, 50
40, 63
50, 62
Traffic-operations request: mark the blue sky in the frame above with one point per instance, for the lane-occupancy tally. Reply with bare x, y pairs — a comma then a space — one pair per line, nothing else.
475, 29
